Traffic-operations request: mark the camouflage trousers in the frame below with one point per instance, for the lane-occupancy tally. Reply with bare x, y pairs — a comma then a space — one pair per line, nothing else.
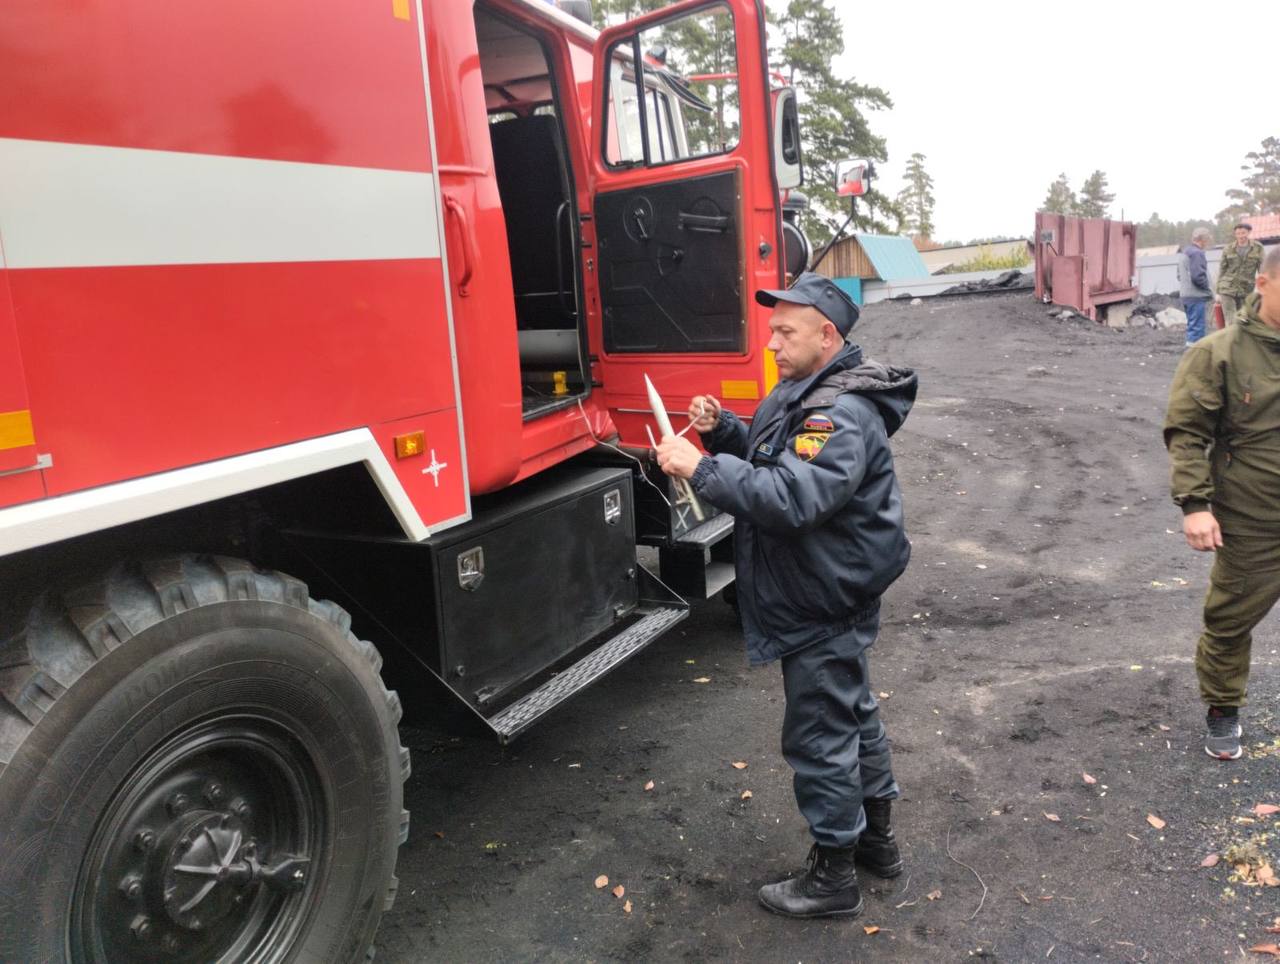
1243, 586
1231, 305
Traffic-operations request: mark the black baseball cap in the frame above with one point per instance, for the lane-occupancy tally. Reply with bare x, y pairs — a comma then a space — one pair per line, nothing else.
818, 292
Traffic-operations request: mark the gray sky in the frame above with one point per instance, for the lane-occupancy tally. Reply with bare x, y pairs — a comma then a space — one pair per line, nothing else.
1000, 97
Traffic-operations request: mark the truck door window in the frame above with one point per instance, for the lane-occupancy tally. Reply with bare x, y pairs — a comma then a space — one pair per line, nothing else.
683, 102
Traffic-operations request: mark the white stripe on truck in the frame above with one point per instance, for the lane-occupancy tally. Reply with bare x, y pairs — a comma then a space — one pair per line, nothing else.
84, 205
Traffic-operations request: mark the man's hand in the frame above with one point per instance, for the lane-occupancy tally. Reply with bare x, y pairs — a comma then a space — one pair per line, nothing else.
1202, 531
704, 412
678, 456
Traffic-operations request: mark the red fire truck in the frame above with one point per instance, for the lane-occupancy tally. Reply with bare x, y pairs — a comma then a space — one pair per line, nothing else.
354, 302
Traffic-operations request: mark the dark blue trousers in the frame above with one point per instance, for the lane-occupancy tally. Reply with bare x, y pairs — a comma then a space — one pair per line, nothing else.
1195, 311
832, 736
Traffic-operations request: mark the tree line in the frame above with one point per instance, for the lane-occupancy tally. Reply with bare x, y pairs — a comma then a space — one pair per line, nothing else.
1258, 193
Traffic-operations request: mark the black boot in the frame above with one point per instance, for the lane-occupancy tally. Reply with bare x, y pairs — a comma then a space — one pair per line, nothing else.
877, 848
827, 888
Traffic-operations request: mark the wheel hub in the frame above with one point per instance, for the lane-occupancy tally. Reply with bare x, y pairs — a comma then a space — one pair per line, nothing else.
204, 854
205, 874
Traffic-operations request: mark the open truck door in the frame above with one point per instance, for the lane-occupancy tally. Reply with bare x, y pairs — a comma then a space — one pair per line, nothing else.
685, 208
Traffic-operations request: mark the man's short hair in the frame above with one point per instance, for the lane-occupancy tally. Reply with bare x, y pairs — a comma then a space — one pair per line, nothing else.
1199, 233
1271, 263
1247, 227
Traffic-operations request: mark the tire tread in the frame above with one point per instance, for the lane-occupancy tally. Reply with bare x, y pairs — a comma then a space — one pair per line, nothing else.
38, 662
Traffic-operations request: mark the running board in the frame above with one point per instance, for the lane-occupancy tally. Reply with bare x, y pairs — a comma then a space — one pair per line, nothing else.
653, 617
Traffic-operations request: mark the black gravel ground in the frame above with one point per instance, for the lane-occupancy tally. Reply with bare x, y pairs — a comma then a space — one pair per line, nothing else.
1044, 630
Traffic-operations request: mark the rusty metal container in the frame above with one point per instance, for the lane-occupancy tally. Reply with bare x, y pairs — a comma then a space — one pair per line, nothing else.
1084, 263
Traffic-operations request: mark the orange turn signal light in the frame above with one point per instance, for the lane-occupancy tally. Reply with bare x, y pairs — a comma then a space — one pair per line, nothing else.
407, 446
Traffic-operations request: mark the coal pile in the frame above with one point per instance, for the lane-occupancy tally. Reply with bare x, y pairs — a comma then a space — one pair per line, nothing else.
1007, 281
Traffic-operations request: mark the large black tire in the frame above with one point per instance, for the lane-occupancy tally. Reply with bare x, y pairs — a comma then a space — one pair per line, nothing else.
197, 762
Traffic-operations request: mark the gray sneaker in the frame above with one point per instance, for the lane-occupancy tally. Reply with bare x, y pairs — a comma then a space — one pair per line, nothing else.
1222, 739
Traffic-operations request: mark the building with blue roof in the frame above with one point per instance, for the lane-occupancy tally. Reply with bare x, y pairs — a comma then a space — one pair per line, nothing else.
859, 258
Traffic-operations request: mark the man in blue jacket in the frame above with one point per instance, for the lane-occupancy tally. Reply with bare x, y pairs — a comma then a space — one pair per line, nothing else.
819, 537
1193, 282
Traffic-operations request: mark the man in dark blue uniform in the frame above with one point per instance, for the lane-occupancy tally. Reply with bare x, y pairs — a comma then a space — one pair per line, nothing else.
819, 538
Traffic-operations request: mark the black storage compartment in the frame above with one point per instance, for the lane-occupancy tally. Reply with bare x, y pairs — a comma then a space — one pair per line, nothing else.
540, 570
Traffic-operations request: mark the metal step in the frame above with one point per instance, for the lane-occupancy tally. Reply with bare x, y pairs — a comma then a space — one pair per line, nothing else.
707, 533
652, 623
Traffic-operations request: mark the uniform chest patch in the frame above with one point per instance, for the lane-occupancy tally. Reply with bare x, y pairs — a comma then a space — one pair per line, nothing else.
819, 423
764, 448
809, 444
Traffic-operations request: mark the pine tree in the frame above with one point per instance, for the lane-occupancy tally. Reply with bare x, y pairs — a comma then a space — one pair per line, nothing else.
916, 199
1094, 197
1260, 190
1060, 199
807, 38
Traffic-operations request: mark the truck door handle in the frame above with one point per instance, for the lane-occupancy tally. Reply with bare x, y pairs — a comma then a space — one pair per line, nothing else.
705, 223
469, 258
640, 214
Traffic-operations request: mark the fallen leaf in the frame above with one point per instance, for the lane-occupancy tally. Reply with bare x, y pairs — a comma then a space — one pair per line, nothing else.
1089, 779
883, 696
1163, 728
1136, 666
1052, 816
1274, 930
493, 845
619, 891
1046, 897
690, 662
1271, 949
1267, 876
1210, 861
626, 908
1265, 809
933, 894
703, 679
739, 765
649, 785
872, 929
601, 882
440, 834
1155, 821
746, 794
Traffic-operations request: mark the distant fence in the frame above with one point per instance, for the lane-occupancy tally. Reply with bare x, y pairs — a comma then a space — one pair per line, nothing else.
1157, 275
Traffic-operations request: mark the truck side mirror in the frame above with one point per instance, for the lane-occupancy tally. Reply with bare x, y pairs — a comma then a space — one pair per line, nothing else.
788, 161
853, 176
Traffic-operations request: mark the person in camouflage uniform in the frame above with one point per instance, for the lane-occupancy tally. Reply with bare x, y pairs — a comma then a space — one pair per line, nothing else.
1240, 264
1222, 430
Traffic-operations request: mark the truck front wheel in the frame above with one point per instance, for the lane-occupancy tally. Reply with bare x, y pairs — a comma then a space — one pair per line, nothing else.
197, 762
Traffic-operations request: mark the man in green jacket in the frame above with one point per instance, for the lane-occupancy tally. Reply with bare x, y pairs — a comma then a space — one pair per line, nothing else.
1222, 431
1240, 264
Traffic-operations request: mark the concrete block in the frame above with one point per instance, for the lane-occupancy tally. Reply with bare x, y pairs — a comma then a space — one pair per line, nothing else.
1171, 318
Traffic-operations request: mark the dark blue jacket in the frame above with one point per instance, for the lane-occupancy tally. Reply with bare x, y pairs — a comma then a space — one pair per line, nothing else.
819, 530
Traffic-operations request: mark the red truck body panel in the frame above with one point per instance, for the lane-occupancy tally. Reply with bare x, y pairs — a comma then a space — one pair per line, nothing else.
137, 353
